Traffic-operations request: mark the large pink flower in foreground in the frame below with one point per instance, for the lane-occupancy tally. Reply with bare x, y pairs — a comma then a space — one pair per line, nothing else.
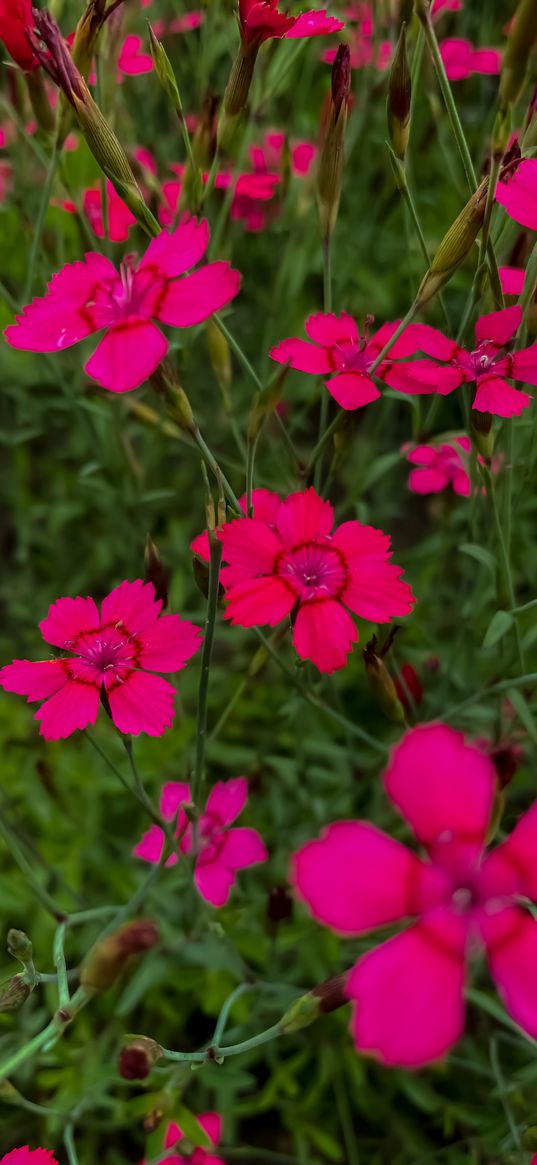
518, 195
294, 565
211, 1123
260, 20
112, 656
409, 992
28, 1156
89, 296
488, 364
221, 850
338, 349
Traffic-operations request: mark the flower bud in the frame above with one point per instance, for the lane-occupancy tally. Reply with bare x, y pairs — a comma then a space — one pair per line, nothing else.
520, 42
220, 358
483, 433
330, 173
106, 961
19, 946
455, 245
179, 408
237, 91
422, 10
399, 98
154, 571
137, 1059
506, 758
164, 71
381, 684
150, 417
13, 993
326, 997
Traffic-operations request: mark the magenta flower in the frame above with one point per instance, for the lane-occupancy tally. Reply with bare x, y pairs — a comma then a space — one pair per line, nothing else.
440, 466
90, 296
487, 364
211, 1123
461, 59
28, 1156
132, 59
260, 20
409, 991
518, 195
439, 6
267, 157
188, 22
221, 850
112, 657
340, 350
119, 218
293, 565
512, 280
250, 191
265, 507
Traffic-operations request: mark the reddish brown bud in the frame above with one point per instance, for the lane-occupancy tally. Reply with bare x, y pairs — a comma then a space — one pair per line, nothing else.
331, 161
506, 758
136, 1061
331, 993
154, 571
341, 78
109, 957
399, 98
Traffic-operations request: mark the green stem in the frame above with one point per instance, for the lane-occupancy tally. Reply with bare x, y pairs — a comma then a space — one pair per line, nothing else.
58, 951
530, 281
393, 338
325, 399
236, 348
228, 709
43, 207
224, 1014
211, 462
69, 1142
504, 558
502, 1090
52, 1031
210, 623
401, 180
251, 450
7, 833
497, 689
217, 1053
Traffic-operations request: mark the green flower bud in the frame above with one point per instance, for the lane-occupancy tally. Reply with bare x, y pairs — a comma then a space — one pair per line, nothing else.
399, 98
455, 245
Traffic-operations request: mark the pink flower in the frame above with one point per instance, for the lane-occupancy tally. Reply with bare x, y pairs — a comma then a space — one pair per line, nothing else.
409, 991
89, 296
112, 656
188, 22
364, 52
518, 196
211, 1122
461, 59
28, 1156
265, 506
16, 21
512, 280
260, 20
250, 190
132, 60
221, 850
119, 218
407, 683
487, 364
439, 6
339, 349
291, 564
440, 466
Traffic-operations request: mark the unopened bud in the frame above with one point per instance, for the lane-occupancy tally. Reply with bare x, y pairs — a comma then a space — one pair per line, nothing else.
220, 358
164, 71
498, 806
483, 433
381, 684
529, 139
13, 993
137, 1060
179, 408
399, 98
506, 758
19, 945
109, 957
325, 997
237, 90
331, 160
455, 245
520, 42
154, 571
150, 417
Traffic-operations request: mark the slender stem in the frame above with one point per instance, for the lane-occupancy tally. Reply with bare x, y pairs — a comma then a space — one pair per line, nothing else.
224, 1014
251, 450
325, 399
393, 338
211, 462
325, 438
504, 558
241, 356
69, 1142
211, 178
216, 1053
401, 179
64, 997
7, 833
526, 681
502, 1090
210, 623
228, 709
528, 291
43, 207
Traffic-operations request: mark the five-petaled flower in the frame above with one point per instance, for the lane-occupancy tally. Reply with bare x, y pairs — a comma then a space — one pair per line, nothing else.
488, 364
440, 466
16, 21
290, 563
26, 1156
261, 20
211, 1123
219, 850
90, 296
338, 348
112, 656
518, 195
409, 991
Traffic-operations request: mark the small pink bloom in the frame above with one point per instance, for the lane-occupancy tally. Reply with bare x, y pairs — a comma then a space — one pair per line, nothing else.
440, 466
440, 6
260, 20
145, 159
488, 364
338, 348
364, 52
132, 60
28, 1156
211, 1123
518, 195
221, 850
188, 22
294, 565
512, 280
112, 657
409, 991
119, 218
461, 59
407, 683
90, 296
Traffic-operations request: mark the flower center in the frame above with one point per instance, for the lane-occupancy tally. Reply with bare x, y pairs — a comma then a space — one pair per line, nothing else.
352, 357
107, 650
317, 570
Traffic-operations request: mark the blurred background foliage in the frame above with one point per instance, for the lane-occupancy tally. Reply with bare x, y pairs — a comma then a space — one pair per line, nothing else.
82, 483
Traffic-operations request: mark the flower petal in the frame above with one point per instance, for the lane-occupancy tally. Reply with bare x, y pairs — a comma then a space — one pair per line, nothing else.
375, 590
304, 516
444, 788
352, 390
511, 940
131, 604
496, 396
355, 878
173, 795
257, 601
422, 376
243, 847
37, 680
68, 311
168, 644
173, 253
195, 297
427, 481
329, 330
512, 280
519, 195
511, 869
127, 355
75, 706
499, 326
408, 992
227, 799
313, 23
211, 1122
525, 365
249, 546
150, 846
68, 620
324, 633
214, 881
303, 356
141, 703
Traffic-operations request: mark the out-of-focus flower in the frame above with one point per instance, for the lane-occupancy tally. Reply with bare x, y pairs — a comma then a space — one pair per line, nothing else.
119, 219
407, 683
518, 195
265, 506
211, 1123
132, 59
188, 22
261, 20
251, 190
111, 657
88, 296
461, 59
486, 365
6, 180
220, 851
512, 280
297, 565
26, 1156
440, 466
440, 6
16, 21
409, 991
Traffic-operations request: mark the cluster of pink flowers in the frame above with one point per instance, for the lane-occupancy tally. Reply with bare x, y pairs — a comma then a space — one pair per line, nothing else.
218, 850
409, 991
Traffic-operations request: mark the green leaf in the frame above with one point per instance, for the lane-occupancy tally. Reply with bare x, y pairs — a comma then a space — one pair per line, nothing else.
523, 712
473, 550
499, 624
